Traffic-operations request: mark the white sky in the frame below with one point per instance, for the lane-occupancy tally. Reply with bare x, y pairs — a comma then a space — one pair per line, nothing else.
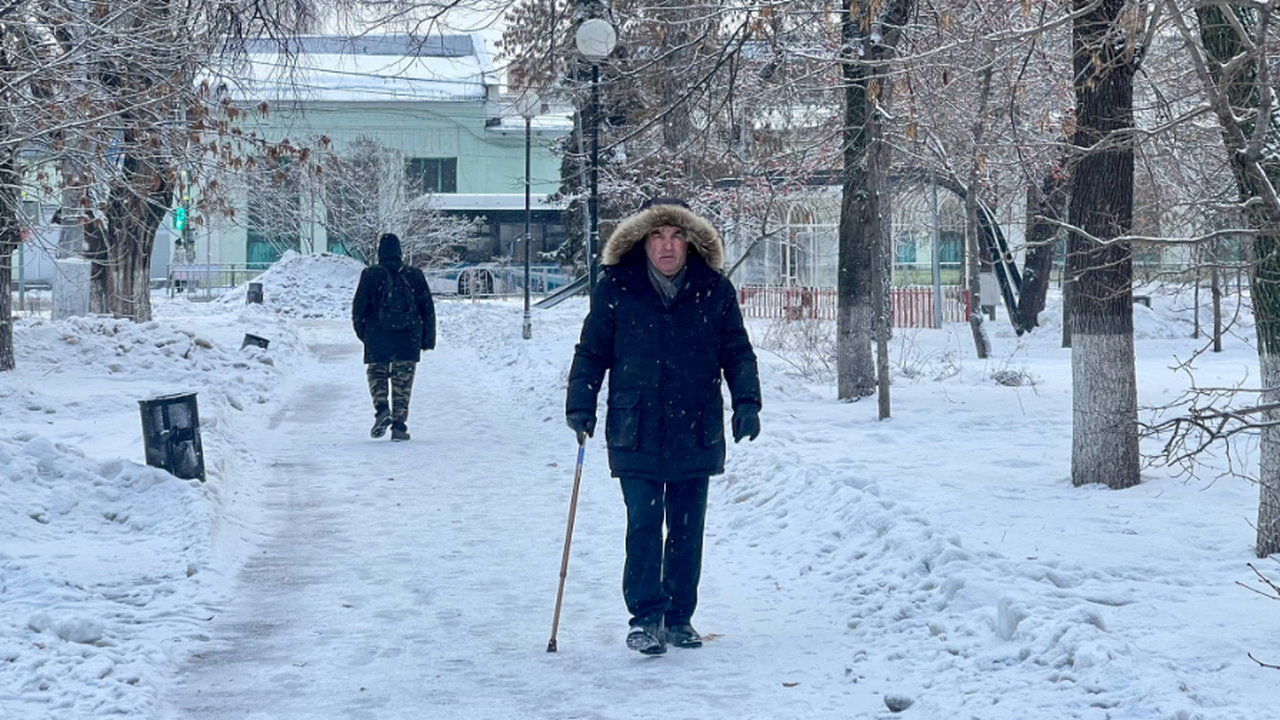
941, 556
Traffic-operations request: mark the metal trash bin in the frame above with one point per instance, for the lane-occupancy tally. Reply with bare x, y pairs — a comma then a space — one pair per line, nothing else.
255, 340
254, 294
171, 435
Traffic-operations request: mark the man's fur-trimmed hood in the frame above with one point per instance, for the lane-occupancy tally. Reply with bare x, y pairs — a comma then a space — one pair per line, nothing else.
702, 237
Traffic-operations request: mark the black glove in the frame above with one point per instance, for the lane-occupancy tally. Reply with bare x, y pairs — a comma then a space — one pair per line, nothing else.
583, 422
746, 422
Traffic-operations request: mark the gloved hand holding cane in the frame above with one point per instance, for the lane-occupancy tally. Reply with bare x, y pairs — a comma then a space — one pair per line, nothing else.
582, 422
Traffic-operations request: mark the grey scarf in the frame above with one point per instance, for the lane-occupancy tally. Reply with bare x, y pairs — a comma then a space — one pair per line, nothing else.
667, 287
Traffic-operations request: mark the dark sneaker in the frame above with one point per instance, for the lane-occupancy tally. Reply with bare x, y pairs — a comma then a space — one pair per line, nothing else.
684, 636
646, 639
399, 433
381, 422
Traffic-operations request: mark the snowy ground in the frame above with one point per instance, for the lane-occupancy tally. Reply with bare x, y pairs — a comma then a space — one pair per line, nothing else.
940, 558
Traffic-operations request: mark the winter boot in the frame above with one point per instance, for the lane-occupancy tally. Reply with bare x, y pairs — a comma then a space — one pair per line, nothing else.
646, 639
399, 433
381, 422
684, 636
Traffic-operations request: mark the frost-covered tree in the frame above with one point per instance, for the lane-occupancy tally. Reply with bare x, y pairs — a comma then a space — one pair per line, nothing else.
365, 193
725, 104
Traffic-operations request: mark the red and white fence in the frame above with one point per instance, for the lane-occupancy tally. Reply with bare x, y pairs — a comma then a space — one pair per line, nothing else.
912, 305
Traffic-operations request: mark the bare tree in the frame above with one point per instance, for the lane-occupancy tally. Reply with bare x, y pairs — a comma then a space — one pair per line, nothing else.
366, 193
1104, 446
1229, 56
972, 231
106, 99
709, 102
870, 33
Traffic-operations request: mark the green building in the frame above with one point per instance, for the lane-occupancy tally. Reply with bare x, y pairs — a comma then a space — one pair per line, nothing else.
433, 104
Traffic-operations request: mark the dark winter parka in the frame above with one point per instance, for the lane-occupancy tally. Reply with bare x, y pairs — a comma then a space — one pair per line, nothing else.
665, 417
382, 344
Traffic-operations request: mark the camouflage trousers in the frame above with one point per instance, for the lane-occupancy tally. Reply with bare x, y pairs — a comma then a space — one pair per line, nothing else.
392, 381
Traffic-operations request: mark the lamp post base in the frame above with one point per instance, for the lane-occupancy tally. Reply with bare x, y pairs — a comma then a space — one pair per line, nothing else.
526, 331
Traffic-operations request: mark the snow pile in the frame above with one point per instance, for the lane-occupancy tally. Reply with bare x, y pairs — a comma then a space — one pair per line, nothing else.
105, 345
1167, 314
105, 561
97, 565
305, 286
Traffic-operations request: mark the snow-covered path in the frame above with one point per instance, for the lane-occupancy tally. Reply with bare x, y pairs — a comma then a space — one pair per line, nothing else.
400, 580
941, 557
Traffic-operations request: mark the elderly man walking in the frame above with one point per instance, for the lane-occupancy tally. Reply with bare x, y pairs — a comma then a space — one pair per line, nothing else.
665, 325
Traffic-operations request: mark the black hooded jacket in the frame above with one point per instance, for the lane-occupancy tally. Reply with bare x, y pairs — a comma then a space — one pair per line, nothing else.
387, 345
665, 416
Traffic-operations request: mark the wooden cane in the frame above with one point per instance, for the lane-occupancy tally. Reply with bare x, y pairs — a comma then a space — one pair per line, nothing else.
568, 537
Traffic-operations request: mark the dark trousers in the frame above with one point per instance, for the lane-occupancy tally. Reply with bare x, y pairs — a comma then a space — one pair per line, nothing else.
660, 579
391, 386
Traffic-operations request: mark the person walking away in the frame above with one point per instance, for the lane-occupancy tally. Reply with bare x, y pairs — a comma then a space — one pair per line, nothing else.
395, 317
664, 323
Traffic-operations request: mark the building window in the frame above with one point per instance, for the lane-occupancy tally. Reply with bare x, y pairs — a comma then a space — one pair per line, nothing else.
951, 247
274, 215
906, 249
431, 175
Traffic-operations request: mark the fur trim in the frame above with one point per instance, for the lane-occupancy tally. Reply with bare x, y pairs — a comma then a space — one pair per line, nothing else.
702, 237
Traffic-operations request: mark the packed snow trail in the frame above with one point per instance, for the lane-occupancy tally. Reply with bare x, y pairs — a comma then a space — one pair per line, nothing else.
417, 580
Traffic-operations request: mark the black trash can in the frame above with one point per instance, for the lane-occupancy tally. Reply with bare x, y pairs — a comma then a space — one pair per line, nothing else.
255, 340
171, 435
254, 294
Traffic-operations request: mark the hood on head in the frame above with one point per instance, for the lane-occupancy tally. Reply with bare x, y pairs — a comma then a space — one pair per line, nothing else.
703, 238
388, 247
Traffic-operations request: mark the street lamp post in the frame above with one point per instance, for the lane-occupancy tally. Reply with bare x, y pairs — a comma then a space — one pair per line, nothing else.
595, 39
528, 106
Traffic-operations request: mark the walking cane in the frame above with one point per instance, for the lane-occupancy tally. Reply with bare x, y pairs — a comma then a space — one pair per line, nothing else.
568, 537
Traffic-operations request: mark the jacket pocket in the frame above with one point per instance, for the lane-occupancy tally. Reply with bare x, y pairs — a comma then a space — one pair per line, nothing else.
622, 426
712, 425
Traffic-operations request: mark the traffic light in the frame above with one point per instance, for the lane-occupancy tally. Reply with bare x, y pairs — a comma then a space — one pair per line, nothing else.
180, 212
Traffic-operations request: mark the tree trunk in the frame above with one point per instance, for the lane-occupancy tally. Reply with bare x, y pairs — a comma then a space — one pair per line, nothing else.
1044, 204
132, 272
9, 239
1215, 291
9, 226
973, 252
121, 242
1266, 309
855, 366
1238, 98
1104, 446
878, 237
1268, 540
101, 277
870, 30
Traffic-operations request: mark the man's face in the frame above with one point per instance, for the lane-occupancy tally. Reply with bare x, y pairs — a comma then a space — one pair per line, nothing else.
667, 249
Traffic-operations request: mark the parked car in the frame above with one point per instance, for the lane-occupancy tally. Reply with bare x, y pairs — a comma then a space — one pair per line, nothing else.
463, 280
